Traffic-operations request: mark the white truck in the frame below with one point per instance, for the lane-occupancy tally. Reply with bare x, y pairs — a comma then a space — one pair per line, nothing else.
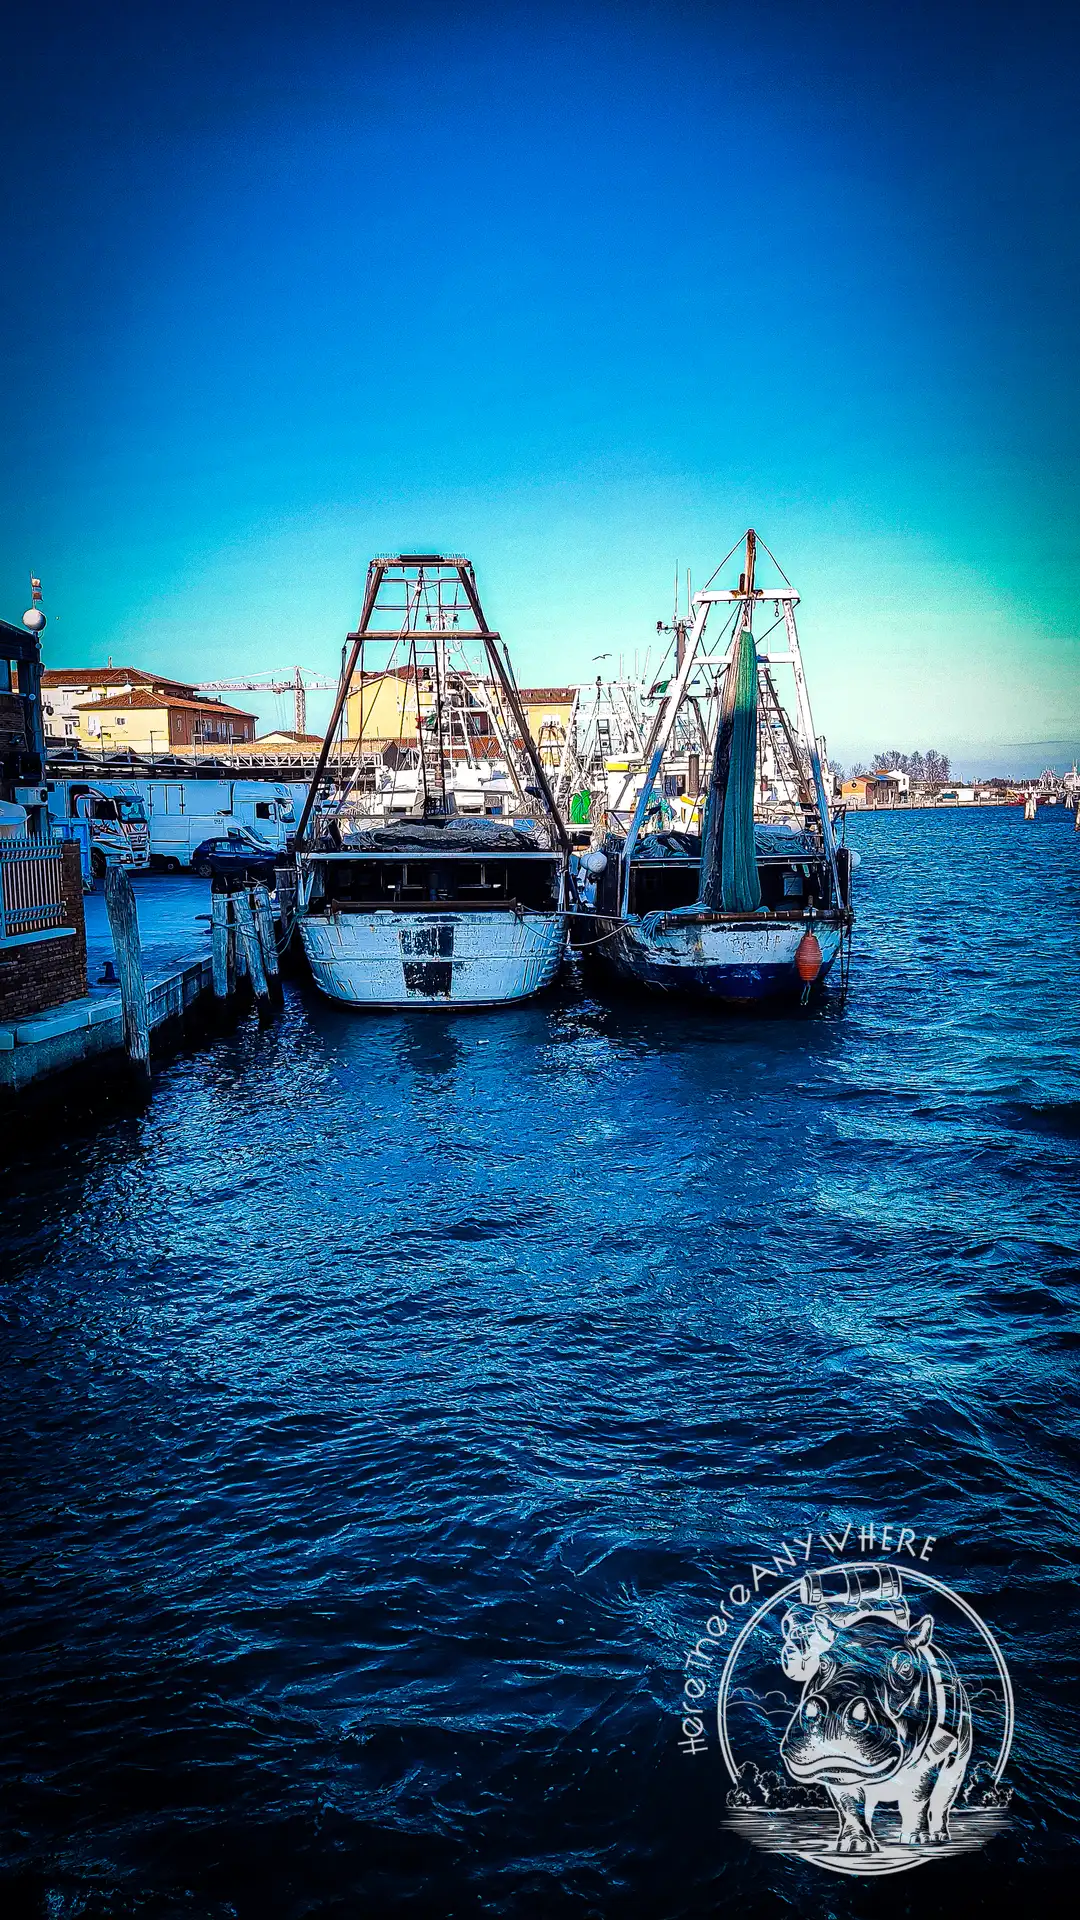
107, 818
184, 813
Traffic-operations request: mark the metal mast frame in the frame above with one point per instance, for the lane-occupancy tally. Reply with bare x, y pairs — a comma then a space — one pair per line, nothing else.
742, 600
420, 575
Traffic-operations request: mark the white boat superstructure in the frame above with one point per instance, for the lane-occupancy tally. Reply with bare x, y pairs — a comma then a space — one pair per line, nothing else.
478, 787
448, 884
399, 921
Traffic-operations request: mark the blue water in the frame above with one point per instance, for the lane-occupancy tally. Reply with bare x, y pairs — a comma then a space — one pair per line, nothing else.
387, 1402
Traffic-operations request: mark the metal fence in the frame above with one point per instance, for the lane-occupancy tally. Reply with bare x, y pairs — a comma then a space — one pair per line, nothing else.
31, 887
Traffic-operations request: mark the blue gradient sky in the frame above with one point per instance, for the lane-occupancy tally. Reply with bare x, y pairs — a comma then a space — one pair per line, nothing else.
580, 290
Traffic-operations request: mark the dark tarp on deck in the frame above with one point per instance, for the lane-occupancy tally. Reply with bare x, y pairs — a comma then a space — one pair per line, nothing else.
770, 842
460, 834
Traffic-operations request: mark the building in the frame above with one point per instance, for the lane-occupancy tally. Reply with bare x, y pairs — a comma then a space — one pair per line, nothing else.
22, 743
396, 707
875, 790
288, 739
547, 713
112, 708
64, 688
42, 933
391, 705
150, 720
397, 704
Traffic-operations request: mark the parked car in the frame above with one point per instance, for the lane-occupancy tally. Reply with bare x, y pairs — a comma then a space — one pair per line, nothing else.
235, 855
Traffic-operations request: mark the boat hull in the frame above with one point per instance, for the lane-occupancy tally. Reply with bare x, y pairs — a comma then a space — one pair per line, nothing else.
414, 959
734, 963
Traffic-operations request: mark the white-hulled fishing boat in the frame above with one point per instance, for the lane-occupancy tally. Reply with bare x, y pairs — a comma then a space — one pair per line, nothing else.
755, 907
431, 907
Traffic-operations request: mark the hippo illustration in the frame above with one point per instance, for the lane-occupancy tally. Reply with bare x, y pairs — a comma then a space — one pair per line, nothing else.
883, 1715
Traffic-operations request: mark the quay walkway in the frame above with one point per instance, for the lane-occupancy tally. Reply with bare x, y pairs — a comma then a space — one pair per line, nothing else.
174, 925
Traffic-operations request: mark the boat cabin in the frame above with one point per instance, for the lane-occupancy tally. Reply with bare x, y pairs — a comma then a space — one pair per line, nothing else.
793, 871
451, 880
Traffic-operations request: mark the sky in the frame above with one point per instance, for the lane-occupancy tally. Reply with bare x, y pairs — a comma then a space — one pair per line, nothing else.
579, 290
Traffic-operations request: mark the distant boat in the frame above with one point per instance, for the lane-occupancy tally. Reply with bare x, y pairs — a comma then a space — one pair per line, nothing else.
757, 906
429, 906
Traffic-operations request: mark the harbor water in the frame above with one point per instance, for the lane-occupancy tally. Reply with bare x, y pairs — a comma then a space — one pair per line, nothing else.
389, 1400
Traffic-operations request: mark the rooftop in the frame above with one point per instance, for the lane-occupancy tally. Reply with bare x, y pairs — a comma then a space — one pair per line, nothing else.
112, 677
285, 736
144, 698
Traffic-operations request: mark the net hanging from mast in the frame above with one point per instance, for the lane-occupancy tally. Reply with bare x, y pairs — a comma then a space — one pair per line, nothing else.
729, 873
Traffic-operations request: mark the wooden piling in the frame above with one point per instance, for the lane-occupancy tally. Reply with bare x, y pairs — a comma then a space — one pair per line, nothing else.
124, 927
248, 941
264, 922
222, 947
237, 961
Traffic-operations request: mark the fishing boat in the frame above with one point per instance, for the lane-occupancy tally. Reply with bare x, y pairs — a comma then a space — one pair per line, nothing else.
430, 905
750, 901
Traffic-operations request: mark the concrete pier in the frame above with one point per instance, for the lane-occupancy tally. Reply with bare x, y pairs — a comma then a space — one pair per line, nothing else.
83, 1030
174, 925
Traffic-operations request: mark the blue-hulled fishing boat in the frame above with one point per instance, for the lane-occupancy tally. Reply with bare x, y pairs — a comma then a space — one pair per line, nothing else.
755, 906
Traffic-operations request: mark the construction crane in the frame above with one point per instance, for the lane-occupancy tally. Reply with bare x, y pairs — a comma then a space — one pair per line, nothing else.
297, 686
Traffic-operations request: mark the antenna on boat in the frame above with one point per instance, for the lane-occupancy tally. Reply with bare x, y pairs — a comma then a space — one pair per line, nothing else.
680, 623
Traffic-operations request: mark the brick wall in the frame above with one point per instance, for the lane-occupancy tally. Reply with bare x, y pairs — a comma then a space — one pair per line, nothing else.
46, 973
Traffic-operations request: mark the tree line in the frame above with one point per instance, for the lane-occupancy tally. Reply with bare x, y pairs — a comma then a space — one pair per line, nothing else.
931, 768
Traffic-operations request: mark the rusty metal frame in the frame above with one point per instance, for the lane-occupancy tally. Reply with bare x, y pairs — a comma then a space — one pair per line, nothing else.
377, 572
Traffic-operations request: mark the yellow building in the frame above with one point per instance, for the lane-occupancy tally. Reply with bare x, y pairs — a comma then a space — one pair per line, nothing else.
383, 706
547, 712
64, 689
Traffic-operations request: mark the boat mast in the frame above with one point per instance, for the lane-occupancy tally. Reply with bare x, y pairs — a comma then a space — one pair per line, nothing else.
668, 711
355, 641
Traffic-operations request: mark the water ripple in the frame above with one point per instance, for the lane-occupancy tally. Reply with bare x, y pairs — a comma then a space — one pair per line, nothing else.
389, 1402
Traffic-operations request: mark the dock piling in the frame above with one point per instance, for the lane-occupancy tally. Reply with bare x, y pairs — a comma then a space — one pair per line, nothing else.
236, 949
124, 927
263, 915
248, 943
222, 947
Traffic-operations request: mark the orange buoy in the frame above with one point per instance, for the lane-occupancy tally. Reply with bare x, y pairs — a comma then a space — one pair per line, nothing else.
808, 958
